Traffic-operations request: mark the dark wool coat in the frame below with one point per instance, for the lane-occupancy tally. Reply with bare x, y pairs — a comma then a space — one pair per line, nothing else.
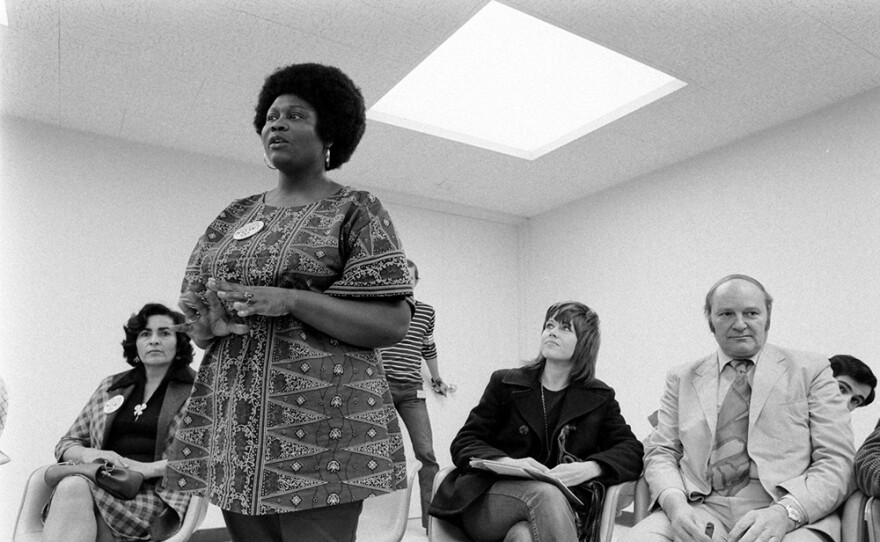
509, 421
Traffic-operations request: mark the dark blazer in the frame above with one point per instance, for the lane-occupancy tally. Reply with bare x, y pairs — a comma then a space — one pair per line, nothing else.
509, 421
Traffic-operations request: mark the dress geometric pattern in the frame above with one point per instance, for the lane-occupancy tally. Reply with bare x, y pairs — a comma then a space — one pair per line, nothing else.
287, 418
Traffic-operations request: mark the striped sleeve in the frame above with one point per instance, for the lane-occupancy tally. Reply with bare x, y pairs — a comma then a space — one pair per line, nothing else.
867, 465
403, 361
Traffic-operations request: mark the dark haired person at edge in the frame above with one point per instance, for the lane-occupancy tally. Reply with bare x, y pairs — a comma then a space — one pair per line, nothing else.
855, 379
552, 415
129, 421
290, 291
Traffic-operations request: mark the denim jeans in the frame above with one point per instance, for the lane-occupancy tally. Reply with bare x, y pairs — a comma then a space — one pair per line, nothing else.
414, 413
509, 502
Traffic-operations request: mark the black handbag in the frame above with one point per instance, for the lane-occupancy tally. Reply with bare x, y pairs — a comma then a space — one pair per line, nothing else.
120, 482
588, 518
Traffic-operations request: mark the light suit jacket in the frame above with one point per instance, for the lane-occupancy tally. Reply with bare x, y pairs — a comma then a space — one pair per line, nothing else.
800, 435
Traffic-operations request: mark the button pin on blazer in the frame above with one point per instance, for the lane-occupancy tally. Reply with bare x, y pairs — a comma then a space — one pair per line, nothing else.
523, 430
113, 404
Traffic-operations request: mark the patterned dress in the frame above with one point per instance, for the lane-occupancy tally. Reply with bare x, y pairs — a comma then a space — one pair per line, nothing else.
287, 418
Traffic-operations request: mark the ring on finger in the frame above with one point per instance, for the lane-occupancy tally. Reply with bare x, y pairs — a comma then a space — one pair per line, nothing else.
248, 298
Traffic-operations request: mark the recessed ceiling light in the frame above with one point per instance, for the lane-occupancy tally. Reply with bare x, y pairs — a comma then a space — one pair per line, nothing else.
508, 82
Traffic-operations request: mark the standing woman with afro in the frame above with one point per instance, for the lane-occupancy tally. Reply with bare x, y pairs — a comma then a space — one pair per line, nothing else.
290, 291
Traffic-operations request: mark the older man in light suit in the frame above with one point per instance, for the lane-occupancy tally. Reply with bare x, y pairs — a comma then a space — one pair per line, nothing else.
752, 439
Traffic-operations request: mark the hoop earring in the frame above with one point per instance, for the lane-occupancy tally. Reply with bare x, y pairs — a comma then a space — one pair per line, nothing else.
326, 157
267, 162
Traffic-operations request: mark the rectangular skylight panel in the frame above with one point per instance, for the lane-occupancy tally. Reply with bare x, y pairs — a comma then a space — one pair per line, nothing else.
514, 84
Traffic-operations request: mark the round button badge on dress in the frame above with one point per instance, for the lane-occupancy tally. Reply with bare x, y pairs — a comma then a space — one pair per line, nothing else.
248, 230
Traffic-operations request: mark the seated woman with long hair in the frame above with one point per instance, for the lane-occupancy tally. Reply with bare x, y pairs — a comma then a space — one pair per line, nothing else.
554, 416
129, 421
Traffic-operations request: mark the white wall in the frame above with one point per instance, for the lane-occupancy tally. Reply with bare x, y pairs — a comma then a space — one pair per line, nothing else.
91, 228
797, 207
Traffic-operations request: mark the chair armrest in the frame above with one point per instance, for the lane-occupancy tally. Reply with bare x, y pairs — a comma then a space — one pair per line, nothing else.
195, 515
615, 499
852, 518
641, 507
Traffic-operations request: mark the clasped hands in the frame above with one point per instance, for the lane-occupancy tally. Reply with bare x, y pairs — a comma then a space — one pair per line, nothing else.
208, 317
762, 525
570, 474
149, 470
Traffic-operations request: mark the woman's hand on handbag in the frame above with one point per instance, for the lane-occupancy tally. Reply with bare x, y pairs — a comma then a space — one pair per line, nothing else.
154, 469
573, 474
90, 455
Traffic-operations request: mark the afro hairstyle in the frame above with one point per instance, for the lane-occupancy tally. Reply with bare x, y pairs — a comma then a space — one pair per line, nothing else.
334, 96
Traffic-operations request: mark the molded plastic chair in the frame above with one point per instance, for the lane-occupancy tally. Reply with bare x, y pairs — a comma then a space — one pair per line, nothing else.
642, 501
384, 518
615, 499
29, 527
853, 526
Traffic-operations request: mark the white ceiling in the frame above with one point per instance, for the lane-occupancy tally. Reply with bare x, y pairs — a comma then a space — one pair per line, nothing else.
185, 74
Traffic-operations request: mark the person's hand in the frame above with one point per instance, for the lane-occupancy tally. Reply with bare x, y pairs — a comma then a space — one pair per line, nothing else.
762, 525
149, 470
251, 300
523, 463
206, 317
438, 386
572, 474
689, 524
88, 455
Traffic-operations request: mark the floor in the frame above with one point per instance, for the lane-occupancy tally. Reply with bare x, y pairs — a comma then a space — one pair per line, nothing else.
415, 532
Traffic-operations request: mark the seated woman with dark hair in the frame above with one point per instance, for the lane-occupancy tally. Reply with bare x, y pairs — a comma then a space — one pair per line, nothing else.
553, 416
129, 421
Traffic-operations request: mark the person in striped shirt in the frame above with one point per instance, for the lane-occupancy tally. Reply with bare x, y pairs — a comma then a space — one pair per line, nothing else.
403, 369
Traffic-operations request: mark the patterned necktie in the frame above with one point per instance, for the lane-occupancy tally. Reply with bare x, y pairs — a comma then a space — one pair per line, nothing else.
729, 461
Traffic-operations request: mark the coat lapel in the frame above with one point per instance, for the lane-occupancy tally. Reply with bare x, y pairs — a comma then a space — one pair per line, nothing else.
578, 402
527, 402
706, 385
106, 418
769, 369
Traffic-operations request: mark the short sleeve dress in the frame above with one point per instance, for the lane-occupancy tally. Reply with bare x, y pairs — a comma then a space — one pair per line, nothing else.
287, 418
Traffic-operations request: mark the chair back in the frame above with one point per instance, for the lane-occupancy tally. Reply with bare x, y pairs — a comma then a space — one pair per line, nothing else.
384, 518
28, 525
440, 530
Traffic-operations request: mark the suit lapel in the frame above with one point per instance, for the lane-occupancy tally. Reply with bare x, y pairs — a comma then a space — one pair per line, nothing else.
706, 384
769, 369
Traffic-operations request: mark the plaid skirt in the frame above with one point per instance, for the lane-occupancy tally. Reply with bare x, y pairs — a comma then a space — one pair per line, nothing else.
128, 520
